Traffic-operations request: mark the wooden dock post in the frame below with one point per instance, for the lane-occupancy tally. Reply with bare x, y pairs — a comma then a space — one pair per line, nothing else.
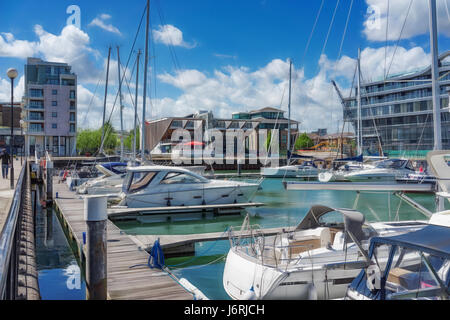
49, 178
96, 245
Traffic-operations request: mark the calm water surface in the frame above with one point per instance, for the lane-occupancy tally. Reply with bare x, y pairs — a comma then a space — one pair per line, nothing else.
58, 273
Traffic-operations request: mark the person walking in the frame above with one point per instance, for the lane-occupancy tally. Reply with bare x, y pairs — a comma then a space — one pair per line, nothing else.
5, 164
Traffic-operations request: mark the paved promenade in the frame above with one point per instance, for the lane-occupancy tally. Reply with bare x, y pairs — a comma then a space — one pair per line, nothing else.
6, 194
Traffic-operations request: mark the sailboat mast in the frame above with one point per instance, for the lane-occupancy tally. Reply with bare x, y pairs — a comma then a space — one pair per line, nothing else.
104, 101
358, 133
435, 89
289, 107
142, 142
135, 106
434, 77
121, 105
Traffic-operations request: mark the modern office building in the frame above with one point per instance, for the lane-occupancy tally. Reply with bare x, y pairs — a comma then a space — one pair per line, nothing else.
50, 104
398, 112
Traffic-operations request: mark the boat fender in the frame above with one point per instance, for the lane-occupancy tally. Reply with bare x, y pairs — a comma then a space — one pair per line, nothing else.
249, 295
325, 176
373, 277
312, 292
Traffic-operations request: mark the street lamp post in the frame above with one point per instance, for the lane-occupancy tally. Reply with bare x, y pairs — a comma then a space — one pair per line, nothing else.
21, 133
12, 74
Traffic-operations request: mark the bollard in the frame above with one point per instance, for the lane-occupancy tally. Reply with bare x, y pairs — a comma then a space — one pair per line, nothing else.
96, 256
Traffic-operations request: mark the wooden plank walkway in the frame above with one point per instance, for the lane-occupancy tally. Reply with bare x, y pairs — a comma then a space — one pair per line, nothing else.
129, 277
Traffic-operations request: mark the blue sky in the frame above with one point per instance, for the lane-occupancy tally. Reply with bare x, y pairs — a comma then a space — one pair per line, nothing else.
224, 56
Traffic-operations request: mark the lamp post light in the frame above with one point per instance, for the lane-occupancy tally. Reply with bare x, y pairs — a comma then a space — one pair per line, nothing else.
12, 74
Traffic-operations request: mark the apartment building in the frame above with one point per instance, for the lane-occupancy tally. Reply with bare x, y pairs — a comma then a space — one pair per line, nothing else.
50, 105
398, 111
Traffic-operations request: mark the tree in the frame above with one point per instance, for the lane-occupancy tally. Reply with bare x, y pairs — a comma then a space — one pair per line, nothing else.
268, 140
89, 141
303, 142
128, 141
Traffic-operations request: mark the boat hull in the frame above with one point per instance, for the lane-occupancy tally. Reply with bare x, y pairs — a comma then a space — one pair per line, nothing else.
191, 196
273, 284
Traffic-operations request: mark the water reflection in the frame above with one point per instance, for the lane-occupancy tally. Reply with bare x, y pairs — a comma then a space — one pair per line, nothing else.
58, 271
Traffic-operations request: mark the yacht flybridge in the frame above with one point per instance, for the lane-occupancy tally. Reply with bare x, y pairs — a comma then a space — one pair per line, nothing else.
316, 260
161, 186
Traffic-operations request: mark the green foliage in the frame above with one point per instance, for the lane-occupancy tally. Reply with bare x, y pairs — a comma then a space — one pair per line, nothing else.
303, 142
268, 140
128, 141
89, 141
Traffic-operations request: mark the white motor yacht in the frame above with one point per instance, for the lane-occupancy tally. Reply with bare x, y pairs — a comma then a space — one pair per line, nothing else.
305, 170
382, 171
160, 186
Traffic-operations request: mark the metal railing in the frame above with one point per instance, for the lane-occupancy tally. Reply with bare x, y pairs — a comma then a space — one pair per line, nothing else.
9, 237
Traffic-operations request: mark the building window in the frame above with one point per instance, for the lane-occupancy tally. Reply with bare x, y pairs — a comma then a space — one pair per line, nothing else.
55, 114
72, 94
37, 104
54, 126
72, 105
54, 103
54, 92
36, 93
72, 116
72, 127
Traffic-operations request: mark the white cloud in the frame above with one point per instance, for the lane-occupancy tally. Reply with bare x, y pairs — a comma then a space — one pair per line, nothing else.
10, 47
417, 22
314, 101
170, 35
101, 23
5, 89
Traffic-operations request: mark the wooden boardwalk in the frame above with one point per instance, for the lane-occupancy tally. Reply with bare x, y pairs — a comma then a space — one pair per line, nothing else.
129, 277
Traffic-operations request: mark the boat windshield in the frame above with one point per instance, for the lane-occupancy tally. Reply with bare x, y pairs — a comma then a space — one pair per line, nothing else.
391, 164
179, 178
411, 274
140, 180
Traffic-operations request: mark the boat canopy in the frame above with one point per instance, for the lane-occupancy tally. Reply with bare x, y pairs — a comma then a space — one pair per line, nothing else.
353, 220
357, 159
292, 156
111, 168
432, 239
